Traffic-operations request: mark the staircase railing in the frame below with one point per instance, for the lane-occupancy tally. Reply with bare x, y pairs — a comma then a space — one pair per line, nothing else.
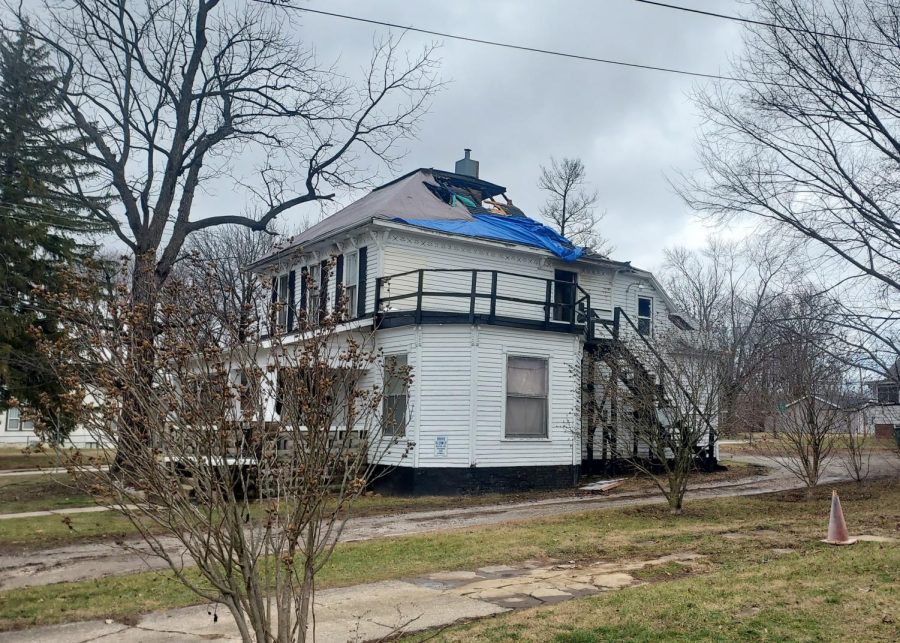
620, 314
614, 327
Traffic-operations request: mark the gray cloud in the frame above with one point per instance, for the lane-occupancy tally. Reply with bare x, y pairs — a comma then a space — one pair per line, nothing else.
515, 109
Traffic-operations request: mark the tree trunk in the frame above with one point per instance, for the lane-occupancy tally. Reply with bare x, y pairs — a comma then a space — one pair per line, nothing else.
133, 435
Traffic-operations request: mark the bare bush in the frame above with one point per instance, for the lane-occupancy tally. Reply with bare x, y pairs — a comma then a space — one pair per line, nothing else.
259, 447
857, 455
672, 416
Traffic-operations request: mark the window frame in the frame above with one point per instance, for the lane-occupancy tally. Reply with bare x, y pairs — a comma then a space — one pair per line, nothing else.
351, 288
283, 298
313, 292
545, 397
386, 398
22, 425
646, 318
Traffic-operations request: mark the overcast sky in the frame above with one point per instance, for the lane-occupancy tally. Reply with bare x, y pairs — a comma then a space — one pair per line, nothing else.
515, 109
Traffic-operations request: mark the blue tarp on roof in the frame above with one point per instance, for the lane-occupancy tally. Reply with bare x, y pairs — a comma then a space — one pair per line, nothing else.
505, 228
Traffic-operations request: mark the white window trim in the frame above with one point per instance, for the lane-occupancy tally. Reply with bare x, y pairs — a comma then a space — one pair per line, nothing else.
313, 291
638, 316
409, 393
282, 317
519, 353
351, 301
21, 428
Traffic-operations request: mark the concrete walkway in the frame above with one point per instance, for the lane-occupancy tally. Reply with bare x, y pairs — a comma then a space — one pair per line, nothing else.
374, 611
96, 560
47, 471
54, 512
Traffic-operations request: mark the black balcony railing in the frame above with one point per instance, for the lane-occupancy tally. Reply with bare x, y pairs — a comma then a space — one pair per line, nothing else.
465, 295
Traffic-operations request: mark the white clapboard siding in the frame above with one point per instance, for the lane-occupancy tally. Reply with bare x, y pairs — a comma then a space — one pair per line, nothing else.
408, 252
444, 381
351, 244
492, 449
396, 341
598, 283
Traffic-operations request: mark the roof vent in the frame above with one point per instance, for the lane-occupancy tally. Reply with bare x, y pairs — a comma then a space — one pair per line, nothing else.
467, 166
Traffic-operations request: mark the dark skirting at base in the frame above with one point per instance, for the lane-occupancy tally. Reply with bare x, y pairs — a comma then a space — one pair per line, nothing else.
473, 480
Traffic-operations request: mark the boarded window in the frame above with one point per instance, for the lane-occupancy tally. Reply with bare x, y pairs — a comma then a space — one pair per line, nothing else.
645, 315
526, 397
396, 395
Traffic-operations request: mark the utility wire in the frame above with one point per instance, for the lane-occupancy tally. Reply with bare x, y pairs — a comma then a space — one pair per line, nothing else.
762, 23
537, 50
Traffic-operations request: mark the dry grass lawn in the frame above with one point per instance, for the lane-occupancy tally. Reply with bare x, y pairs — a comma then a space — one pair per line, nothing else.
745, 589
51, 492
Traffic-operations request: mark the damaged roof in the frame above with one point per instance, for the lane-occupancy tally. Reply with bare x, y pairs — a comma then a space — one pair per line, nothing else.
442, 201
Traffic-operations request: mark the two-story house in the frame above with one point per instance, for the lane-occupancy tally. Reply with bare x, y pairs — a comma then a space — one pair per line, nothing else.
492, 311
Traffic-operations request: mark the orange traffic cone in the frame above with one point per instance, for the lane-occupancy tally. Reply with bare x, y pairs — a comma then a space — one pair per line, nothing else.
837, 528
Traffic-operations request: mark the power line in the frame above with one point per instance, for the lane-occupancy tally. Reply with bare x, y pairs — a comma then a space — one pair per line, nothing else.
537, 50
761, 23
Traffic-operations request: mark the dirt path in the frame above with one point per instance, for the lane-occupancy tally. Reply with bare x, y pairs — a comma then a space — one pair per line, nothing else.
88, 561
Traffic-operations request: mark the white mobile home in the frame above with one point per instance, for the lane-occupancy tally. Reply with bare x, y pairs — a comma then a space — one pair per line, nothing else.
494, 313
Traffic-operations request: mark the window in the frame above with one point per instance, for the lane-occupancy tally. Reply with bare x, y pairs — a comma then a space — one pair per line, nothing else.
564, 295
645, 315
246, 398
888, 393
396, 395
314, 281
14, 421
526, 397
283, 300
351, 281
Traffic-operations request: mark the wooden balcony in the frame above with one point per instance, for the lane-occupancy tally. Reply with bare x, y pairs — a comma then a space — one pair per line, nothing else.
472, 296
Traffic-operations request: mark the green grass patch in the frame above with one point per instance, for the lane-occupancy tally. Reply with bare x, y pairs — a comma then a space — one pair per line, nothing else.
16, 458
40, 492
49, 531
735, 536
818, 594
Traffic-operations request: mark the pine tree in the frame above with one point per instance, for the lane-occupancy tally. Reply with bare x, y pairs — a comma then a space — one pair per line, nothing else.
39, 228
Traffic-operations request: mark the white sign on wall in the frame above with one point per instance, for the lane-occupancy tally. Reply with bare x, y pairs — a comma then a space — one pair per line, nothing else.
440, 446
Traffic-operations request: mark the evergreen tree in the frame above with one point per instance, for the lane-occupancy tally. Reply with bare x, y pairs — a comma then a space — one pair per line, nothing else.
39, 228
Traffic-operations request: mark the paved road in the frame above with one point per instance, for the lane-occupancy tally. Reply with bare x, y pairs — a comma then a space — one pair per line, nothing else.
96, 560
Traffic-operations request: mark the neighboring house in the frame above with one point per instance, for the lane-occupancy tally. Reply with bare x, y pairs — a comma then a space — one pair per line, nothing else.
882, 414
16, 431
493, 312
815, 414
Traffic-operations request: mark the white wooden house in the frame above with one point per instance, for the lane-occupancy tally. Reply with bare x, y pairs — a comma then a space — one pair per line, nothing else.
492, 311
17, 431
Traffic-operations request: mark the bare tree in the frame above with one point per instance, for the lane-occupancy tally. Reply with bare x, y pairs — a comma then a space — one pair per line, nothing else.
655, 403
808, 141
671, 417
570, 206
671, 436
857, 455
178, 99
808, 386
727, 288
218, 257
298, 422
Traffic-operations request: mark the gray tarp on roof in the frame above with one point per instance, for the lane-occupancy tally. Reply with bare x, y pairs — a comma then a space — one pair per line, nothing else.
408, 197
